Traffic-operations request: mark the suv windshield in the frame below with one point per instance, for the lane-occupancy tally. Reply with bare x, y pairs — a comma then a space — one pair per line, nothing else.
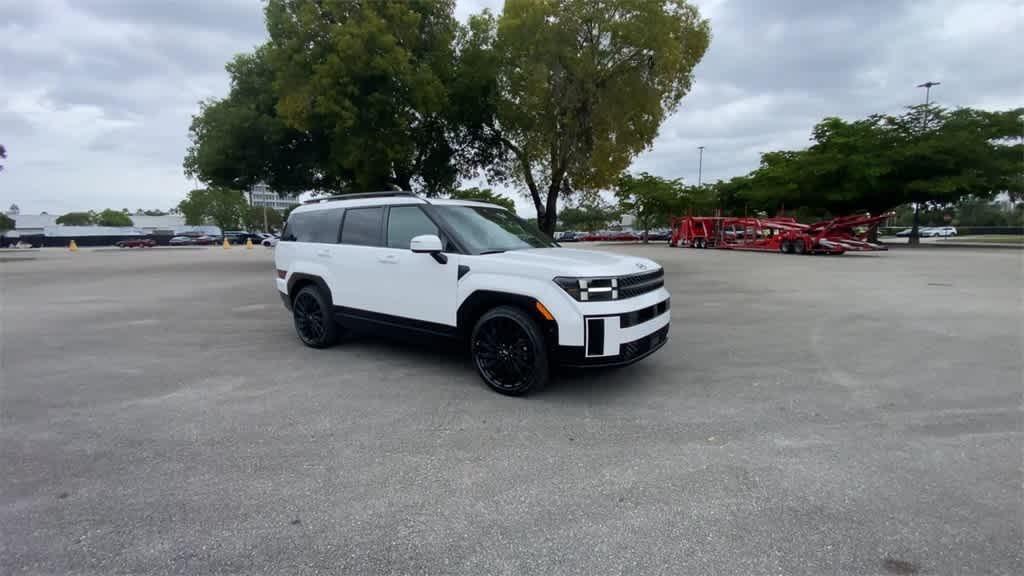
484, 230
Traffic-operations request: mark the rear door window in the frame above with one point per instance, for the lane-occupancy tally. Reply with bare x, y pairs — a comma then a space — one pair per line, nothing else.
362, 226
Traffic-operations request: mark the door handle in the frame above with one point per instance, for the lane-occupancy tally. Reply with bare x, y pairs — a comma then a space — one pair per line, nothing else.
388, 259
323, 253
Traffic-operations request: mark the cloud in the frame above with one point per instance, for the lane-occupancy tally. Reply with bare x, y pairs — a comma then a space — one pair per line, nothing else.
98, 94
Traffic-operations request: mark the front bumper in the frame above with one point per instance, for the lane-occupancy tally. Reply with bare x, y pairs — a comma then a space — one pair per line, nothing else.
617, 339
630, 352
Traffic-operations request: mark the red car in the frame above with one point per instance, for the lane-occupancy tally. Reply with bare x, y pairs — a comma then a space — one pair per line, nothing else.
136, 243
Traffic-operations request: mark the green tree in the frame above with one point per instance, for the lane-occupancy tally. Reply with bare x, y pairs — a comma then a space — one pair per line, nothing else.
257, 216
111, 217
367, 81
3, 155
650, 199
485, 195
581, 87
344, 96
589, 215
222, 207
240, 141
77, 219
6, 223
927, 157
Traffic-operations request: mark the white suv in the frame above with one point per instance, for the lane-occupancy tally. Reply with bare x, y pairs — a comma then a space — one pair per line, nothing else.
469, 270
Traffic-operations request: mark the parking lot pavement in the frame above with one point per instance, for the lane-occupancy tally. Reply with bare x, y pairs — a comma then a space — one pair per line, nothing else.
811, 415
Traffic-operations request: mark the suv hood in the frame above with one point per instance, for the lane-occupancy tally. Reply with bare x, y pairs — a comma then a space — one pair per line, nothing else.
551, 262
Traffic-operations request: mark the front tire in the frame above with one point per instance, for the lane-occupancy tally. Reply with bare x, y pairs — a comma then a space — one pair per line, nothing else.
509, 351
314, 321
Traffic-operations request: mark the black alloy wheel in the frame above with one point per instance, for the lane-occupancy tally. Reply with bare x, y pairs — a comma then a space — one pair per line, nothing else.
313, 320
509, 351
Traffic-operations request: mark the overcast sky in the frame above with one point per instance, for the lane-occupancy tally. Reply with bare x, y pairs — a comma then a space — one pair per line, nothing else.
96, 95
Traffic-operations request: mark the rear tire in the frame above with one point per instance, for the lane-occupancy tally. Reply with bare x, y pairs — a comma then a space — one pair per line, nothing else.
314, 319
509, 351
798, 247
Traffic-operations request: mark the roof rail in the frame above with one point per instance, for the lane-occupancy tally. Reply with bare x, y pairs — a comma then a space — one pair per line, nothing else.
359, 195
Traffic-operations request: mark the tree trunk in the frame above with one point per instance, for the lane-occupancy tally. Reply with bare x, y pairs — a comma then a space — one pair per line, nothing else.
915, 237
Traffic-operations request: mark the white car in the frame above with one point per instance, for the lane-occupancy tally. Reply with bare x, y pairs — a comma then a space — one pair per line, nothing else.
943, 231
472, 271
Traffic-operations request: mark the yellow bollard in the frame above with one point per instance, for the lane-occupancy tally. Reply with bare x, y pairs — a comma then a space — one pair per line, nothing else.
227, 245
73, 247
248, 243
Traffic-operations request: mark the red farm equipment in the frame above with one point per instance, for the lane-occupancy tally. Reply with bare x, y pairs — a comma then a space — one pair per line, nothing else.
781, 234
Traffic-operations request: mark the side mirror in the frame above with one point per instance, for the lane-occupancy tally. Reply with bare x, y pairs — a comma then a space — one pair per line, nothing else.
428, 244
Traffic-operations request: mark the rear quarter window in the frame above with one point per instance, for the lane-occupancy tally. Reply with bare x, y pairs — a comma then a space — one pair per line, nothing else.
319, 226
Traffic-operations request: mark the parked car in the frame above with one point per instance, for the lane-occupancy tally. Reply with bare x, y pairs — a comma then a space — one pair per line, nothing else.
567, 236
942, 232
519, 301
136, 243
205, 240
659, 234
181, 241
904, 233
624, 236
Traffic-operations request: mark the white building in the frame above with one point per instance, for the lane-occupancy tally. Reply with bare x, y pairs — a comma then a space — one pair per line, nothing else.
262, 195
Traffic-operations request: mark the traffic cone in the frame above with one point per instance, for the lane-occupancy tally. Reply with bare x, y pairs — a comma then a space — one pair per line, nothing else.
227, 245
73, 247
248, 243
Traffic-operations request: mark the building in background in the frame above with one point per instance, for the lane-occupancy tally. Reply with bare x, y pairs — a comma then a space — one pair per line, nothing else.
262, 195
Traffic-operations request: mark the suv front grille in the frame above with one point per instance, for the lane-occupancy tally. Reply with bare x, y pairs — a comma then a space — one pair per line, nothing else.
643, 315
631, 350
637, 284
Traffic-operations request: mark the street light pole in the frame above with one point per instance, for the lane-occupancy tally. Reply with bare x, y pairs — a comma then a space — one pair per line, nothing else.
700, 165
928, 90
915, 235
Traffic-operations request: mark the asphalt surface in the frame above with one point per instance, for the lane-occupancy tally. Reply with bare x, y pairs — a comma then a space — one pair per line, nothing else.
811, 415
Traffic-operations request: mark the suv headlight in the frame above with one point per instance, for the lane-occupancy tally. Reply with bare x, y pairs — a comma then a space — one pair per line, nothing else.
590, 289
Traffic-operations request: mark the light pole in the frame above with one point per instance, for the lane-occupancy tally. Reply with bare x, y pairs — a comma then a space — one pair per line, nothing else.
915, 236
700, 165
928, 90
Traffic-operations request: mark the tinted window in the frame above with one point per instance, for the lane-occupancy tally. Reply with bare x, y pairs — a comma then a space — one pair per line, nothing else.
405, 223
485, 230
362, 226
320, 226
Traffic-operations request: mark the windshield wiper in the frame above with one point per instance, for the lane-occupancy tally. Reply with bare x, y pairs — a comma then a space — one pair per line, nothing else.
492, 252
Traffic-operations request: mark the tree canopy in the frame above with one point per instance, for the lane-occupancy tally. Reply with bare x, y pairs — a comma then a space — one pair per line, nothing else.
6, 223
580, 87
110, 217
558, 95
256, 216
3, 155
588, 215
650, 199
485, 195
76, 219
344, 96
926, 155
222, 207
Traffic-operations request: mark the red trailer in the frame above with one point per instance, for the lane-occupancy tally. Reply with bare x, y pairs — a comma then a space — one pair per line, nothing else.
781, 234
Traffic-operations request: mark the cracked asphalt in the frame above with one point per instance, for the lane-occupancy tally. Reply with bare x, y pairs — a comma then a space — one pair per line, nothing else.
810, 415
